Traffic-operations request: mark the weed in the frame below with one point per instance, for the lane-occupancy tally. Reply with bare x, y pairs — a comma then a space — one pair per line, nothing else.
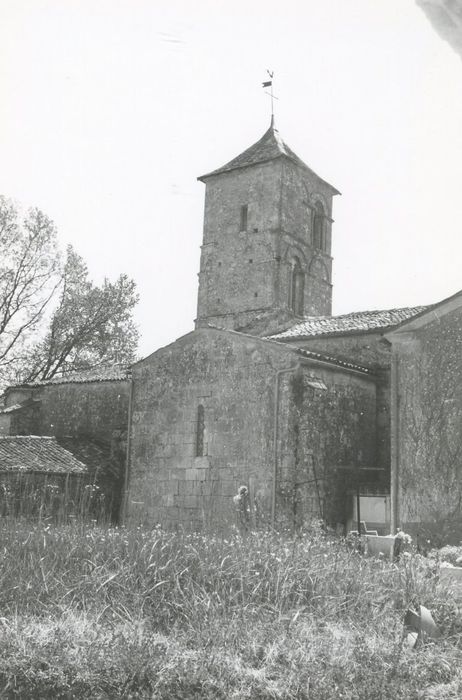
98, 612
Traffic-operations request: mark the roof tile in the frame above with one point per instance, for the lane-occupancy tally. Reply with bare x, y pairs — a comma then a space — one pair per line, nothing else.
37, 454
356, 322
269, 147
104, 373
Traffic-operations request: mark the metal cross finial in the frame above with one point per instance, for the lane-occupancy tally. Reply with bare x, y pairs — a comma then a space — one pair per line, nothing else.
266, 84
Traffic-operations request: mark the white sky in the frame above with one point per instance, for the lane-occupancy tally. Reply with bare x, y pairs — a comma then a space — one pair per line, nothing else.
110, 109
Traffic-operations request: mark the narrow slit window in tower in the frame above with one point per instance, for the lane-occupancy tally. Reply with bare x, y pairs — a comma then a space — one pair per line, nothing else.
297, 288
244, 211
200, 430
318, 226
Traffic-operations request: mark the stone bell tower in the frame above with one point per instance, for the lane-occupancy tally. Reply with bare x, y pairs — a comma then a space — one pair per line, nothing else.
266, 251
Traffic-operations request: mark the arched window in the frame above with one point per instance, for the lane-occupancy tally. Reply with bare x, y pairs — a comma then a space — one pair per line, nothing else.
200, 430
318, 226
297, 288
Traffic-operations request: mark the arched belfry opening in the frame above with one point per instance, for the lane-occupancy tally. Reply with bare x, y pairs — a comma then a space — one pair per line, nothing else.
319, 226
297, 287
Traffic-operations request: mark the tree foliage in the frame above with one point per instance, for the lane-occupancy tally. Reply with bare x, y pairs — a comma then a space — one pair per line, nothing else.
29, 276
53, 318
91, 325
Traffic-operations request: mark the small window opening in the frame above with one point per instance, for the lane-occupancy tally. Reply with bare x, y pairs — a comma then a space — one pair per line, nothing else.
250, 260
244, 212
219, 264
200, 430
255, 294
297, 288
318, 227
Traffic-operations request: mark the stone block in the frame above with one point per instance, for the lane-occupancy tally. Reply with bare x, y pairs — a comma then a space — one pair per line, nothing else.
177, 473
192, 488
202, 462
227, 488
187, 503
195, 474
205, 488
171, 486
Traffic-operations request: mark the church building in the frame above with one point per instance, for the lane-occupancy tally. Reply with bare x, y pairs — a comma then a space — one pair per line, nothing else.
270, 391
309, 415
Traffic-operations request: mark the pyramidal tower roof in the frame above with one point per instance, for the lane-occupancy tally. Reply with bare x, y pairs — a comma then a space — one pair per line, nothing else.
269, 147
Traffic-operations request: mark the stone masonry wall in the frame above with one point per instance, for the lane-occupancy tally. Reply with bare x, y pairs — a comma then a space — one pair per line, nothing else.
94, 409
330, 430
245, 274
369, 349
430, 429
234, 378
238, 268
300, 192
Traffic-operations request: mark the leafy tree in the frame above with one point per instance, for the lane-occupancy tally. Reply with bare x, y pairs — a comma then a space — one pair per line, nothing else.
91, 325
29, 277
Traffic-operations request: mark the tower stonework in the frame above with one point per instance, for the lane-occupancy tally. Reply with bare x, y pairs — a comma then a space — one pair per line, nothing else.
266, 252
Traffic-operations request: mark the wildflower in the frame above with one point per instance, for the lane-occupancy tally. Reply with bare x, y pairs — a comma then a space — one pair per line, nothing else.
404, 537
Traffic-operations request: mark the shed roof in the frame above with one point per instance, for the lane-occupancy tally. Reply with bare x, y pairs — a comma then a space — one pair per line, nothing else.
269, 147
356, 322
37, 454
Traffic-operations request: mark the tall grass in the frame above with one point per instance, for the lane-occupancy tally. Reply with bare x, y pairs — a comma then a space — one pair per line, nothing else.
57, 498
104, 613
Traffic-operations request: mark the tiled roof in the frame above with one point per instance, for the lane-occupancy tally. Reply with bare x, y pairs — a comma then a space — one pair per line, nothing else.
303, 352
18, 406
330, 359
105, 373
356, 322
11, 409
269, 147
37, 454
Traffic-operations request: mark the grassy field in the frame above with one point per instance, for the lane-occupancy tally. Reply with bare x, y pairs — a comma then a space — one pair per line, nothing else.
107, 613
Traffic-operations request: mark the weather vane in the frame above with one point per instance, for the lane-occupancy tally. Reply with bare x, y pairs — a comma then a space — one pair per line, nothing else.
269, 84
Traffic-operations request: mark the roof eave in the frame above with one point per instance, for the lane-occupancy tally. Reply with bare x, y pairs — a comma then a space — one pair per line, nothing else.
431, 312
224, 169
335, 334
71, 381
297, 161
